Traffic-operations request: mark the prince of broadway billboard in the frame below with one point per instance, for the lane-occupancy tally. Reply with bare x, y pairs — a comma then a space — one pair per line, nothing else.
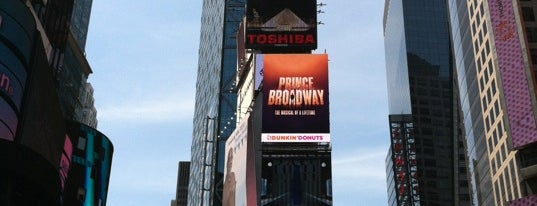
295, 98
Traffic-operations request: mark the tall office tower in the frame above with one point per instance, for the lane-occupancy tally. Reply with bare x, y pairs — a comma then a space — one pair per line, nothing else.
73, 160
426, 156
214, 113
80, 21
181, 195
74, 69
492, 40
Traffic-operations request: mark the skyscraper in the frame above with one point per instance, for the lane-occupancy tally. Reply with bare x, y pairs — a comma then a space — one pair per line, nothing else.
181, 194
492, 42
42, 69
424, 161
214, 113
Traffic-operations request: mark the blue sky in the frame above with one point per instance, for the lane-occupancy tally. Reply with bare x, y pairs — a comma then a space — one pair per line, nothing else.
144, 57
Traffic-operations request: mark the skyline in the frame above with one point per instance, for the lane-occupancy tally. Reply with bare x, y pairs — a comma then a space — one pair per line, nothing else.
144, 80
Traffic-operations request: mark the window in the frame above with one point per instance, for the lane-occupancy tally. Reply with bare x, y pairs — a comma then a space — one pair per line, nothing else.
533, 53
527, 14
531, 33
493, 87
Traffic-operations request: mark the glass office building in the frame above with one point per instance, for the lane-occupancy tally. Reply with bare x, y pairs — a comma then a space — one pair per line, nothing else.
216, 101
420, 84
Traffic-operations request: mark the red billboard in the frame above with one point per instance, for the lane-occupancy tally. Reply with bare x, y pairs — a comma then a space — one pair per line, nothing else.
281, 24
295, 98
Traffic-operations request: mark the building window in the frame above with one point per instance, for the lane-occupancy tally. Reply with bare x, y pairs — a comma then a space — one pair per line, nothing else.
527, 14
533, 53
531, 33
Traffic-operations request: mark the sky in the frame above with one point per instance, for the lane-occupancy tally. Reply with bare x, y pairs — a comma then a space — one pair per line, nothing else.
144, 57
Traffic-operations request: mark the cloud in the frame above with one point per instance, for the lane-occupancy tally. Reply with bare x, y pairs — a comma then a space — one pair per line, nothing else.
149, 110
365, 168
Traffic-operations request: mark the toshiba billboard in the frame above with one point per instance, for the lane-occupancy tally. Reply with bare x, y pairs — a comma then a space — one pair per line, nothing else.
295, 98
281, 24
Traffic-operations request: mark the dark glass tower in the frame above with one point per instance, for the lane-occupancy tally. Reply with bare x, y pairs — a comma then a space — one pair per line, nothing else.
216, 101
424, 120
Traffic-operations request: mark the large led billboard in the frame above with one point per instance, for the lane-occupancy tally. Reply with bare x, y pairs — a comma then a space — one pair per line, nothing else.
513, 73
281, 24
86, 182
295, 178
295, 98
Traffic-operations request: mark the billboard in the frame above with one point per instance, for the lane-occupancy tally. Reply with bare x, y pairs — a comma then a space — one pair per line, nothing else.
294, 178
281, 24
513, 73
295, 98
239, 174
88, 175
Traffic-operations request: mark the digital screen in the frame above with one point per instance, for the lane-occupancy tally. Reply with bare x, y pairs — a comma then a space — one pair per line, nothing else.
295, 98
281, 24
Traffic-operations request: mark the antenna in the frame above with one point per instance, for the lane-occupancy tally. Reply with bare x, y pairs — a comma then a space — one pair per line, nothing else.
320, 11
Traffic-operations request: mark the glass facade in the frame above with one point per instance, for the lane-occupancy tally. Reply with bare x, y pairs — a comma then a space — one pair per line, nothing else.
476, 148
80, 21
420, 83
214, 113
390, 181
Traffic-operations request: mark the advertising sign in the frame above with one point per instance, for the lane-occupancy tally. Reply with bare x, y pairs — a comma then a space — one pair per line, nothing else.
238, 179
295, 98
295, 179
88, 174
516, 87
281, 24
